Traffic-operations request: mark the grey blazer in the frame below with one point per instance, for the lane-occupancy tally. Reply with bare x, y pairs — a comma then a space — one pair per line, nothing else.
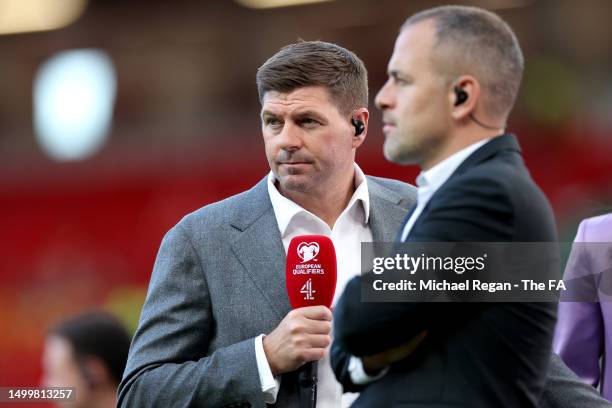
219, 282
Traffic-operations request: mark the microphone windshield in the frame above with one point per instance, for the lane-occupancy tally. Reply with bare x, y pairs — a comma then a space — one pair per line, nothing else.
311, 271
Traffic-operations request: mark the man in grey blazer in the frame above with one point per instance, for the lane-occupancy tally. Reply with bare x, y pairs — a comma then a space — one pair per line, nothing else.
216, 328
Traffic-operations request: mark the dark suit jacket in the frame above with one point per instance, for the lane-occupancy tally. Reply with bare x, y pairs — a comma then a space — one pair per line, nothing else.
218, 282
476, 354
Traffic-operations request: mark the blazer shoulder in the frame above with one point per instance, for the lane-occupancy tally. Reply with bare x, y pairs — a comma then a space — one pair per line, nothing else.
600, 220
596, 229
503, 188
405, 190
220, 214
504, 175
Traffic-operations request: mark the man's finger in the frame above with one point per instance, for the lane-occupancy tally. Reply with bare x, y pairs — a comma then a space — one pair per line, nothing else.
316, 313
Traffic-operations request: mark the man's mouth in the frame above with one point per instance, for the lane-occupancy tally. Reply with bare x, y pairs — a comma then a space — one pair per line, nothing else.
388, 126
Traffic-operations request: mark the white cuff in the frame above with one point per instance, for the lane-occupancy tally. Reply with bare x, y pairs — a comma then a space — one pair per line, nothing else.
358, 374
269, 384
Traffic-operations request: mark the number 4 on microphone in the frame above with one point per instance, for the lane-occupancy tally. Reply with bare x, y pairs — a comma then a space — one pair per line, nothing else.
307, 290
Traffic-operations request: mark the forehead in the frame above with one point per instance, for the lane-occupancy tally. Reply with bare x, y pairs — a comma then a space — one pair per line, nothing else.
413, 47
311, 98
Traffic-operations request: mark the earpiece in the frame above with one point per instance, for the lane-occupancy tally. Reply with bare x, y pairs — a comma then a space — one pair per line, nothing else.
462, 96
359, 126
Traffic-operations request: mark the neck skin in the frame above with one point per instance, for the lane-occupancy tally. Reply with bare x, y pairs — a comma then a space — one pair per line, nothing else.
105, 397
326, 203
457, 140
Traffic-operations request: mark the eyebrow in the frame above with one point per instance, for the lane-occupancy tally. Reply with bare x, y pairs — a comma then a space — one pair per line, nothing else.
309, 114
265, 114
395, 74
298, 115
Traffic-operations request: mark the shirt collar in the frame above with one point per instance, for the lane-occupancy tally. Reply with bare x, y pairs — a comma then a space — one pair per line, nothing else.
438, 174
285, 210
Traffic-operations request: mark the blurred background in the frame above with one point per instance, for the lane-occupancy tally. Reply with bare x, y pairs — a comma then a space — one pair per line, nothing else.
118, 117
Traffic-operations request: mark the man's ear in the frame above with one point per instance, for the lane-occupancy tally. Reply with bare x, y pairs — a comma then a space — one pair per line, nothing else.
95, 371
464, 97
359, 124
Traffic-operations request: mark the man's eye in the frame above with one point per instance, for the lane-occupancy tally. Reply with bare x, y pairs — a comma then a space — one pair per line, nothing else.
397, 80
271, 122
309, 122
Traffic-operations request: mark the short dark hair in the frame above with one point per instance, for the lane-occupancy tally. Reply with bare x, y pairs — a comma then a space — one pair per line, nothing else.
98, 334
471, 40
317, 63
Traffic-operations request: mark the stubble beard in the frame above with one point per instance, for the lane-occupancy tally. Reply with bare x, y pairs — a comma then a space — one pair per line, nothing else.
289, 183
403, 153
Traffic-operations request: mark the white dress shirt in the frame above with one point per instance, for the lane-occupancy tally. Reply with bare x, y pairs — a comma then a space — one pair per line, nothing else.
349, 231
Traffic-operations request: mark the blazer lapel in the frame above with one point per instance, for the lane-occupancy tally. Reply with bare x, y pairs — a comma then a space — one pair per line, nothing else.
386, 213
259, 247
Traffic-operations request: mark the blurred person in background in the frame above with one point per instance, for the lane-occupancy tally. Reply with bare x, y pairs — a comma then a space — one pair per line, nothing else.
87, 352
583, 336
217, 328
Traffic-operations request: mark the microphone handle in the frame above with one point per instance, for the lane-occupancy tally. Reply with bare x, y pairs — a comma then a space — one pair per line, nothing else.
307, 380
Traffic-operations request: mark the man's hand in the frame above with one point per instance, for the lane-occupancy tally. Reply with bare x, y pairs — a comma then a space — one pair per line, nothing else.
376, 362
302, 336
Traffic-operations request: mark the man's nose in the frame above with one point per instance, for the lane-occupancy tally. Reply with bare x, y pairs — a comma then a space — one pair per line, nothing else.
383, 98
290, 138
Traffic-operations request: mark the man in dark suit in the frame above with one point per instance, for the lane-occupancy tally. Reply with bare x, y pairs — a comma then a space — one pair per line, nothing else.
453, 78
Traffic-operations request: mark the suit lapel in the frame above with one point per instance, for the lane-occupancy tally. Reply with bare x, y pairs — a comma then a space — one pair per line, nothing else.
259, 247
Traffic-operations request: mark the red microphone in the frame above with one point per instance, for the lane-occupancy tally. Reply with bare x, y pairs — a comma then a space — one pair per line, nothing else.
311, 271
310, 275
